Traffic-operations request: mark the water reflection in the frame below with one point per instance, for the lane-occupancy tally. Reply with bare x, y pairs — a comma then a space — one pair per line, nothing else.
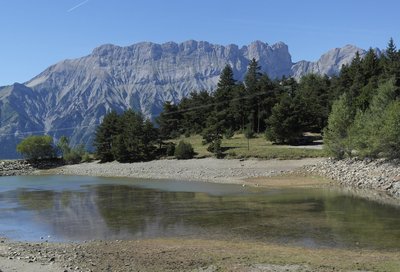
72, 208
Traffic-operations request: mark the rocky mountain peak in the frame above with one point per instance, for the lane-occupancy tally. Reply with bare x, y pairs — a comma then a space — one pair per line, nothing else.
71, 97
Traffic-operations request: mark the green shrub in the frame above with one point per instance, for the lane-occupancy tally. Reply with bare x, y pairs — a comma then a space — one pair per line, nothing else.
73, 157
86, 157
37, 147
215, 148
184, 151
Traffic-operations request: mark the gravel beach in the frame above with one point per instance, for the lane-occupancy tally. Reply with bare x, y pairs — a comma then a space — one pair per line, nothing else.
208, 169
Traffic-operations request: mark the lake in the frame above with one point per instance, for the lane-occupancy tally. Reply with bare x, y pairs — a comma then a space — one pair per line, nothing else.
68, 208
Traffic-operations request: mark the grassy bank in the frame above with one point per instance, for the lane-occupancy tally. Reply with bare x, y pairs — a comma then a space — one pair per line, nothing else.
257, 147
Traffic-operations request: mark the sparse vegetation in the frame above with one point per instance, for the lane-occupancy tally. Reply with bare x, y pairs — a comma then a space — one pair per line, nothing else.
236, 147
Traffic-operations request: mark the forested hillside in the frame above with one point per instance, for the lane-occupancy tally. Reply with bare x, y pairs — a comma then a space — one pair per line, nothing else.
357, 111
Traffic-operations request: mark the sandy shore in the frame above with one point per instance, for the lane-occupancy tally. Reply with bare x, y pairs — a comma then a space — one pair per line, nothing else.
208, 169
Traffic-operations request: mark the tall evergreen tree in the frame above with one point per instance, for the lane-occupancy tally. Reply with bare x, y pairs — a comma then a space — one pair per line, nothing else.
226, 78
285, 125
104, 137
252, 105
222, 113
336, 133
169, 121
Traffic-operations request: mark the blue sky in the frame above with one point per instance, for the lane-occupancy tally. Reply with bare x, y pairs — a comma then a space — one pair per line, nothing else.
38, 33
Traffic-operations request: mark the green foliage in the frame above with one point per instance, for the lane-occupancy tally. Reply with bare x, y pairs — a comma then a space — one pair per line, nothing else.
215, 148
168, 121
106, 132
312, 96
75, 155
370, 133
37, 147
389, 133
70, 155
367, 133
285, 109
170, 150
184, 151
285, 124
87, 157
335, 134
126, 138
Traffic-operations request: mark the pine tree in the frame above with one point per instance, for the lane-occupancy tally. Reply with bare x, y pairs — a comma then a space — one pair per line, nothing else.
169, 121
105, 134
285, 125
392, 62
252, 105
226, 78
339, 122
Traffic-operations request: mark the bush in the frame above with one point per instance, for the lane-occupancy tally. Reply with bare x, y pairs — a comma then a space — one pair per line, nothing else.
37, 147
70, 155
170, 150
86, 157
184, 151
73, 157
215, 148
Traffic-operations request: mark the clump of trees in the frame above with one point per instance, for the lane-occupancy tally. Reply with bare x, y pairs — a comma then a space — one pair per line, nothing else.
37, 147
42, 147
356, 111
283, 109
126, 137
364, 121
71, 155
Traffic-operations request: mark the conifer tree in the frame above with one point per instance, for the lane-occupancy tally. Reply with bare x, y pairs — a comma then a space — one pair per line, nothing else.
105, 134
251, 82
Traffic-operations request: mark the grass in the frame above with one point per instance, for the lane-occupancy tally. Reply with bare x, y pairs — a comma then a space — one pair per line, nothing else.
259, 147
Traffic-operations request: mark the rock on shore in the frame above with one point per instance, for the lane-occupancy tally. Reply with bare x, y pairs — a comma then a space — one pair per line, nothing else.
15, 168
378, 175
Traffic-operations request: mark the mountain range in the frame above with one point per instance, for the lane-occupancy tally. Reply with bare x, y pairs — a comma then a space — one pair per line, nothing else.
71, 97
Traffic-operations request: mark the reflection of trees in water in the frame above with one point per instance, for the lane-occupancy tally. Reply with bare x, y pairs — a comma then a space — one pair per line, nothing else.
363, 223
139, 209
308, 217
36, 200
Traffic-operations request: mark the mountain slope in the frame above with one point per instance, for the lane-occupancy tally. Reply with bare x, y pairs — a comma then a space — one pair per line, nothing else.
71, 97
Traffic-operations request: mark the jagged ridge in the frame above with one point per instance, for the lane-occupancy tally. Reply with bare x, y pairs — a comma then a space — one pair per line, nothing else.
71, 97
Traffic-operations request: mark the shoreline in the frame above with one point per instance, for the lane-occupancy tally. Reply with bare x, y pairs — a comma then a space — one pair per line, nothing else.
378, 176
171, 254
233, 171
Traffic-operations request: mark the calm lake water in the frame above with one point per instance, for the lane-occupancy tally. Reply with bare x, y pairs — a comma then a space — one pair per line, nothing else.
62, 208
